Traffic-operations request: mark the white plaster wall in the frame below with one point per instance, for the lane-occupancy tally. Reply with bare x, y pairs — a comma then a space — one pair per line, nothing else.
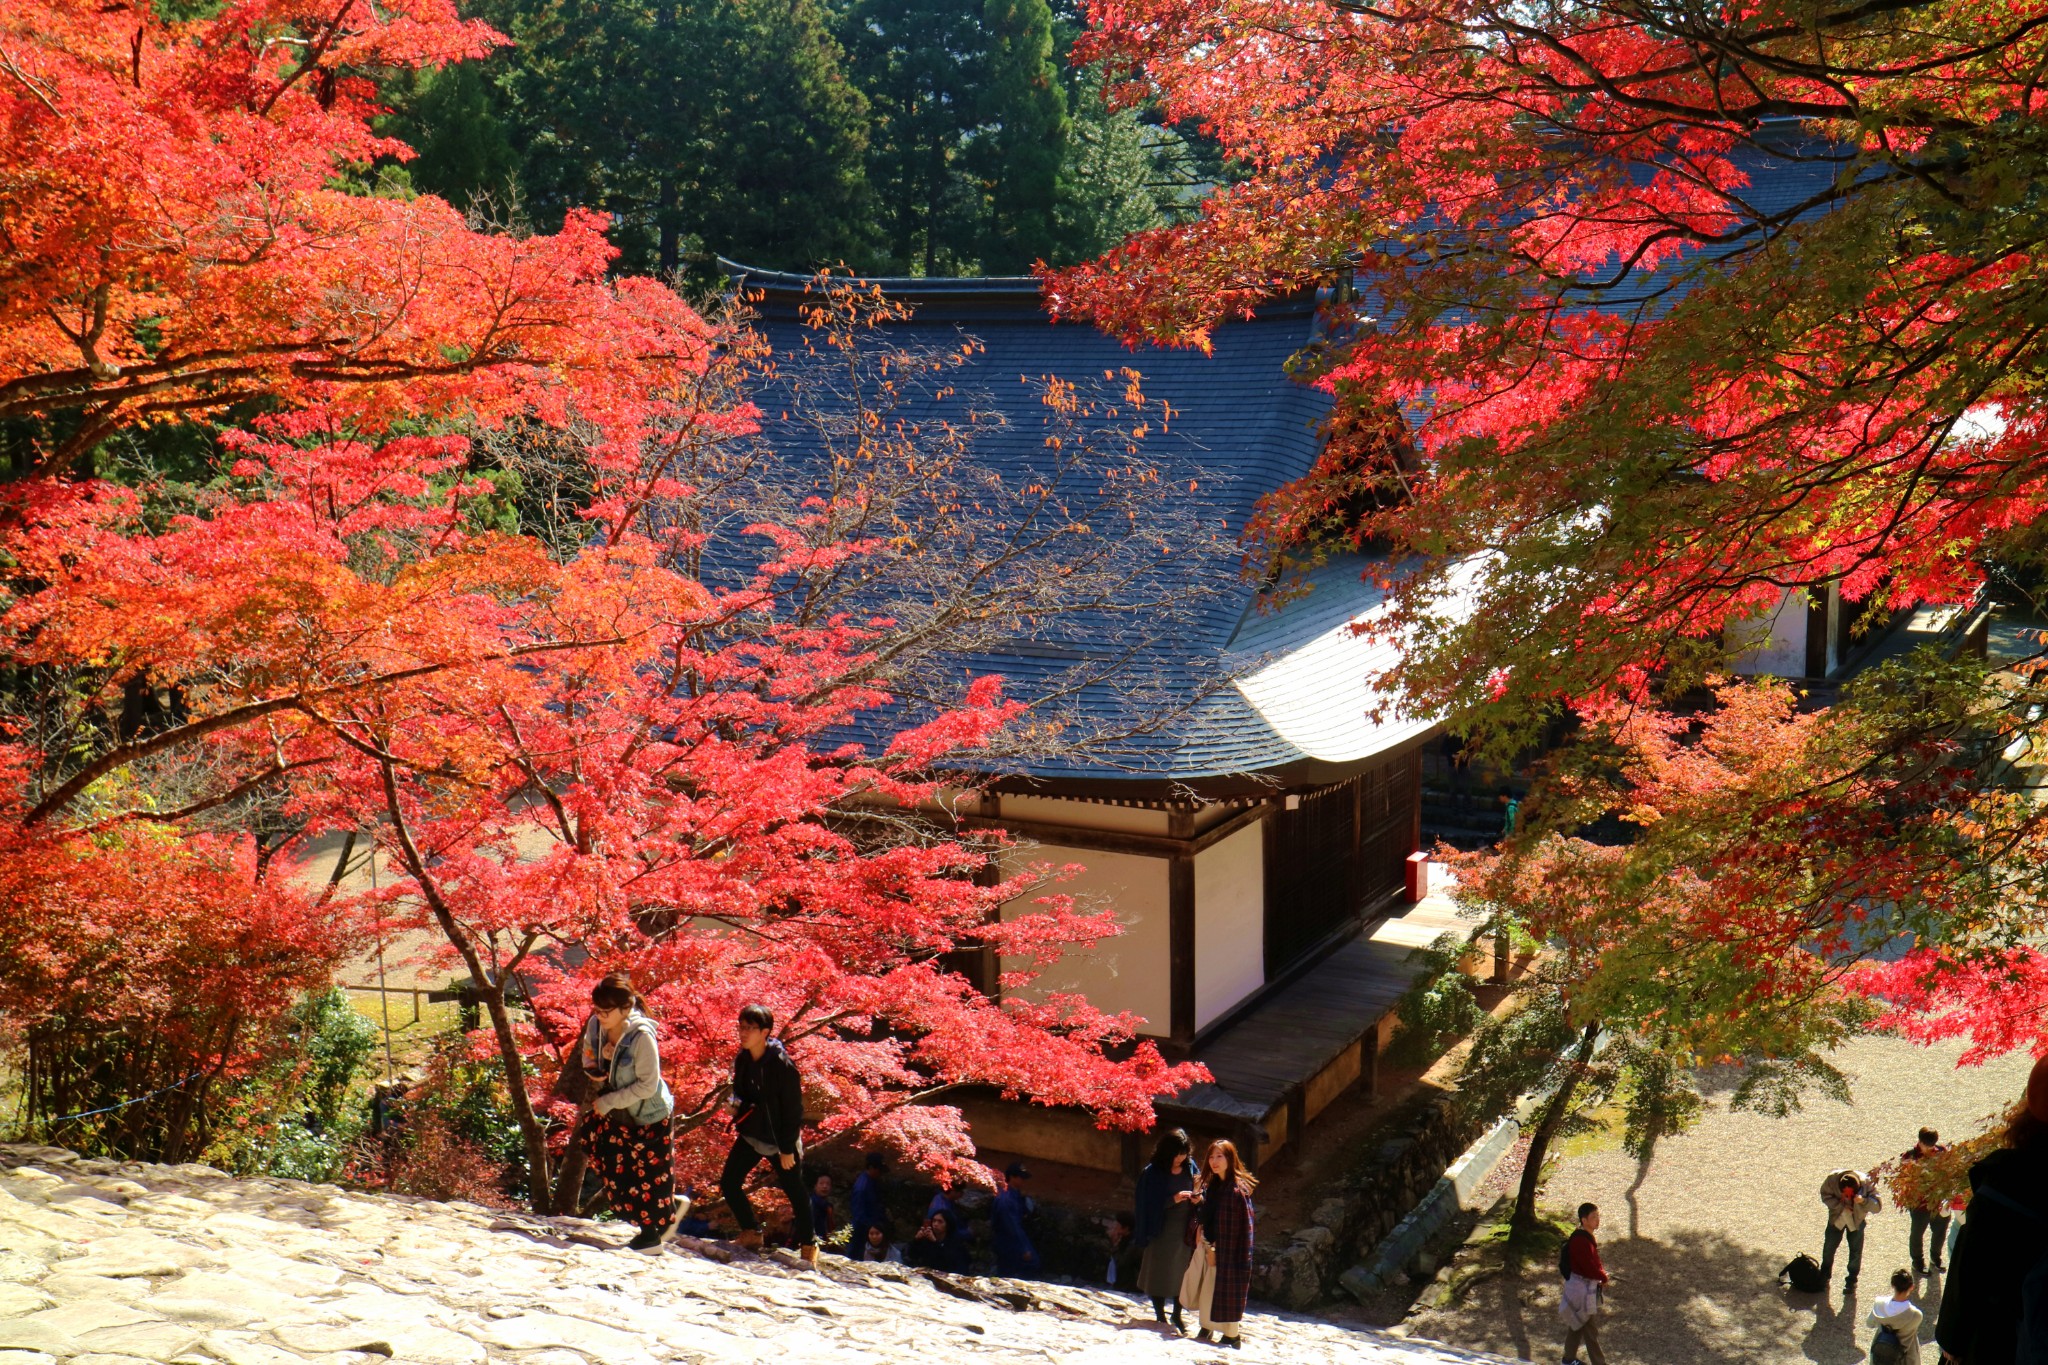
1128, 972
1053, 810
1774, 644
1230, 922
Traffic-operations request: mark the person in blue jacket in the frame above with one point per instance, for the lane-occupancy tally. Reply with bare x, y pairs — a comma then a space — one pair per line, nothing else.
864, 1205
1016, 1258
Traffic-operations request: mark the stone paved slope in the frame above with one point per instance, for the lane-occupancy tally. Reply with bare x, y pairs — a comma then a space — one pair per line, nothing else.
104, 1264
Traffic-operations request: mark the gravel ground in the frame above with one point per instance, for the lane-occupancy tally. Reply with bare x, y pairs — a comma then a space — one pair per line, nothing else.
1695, 1242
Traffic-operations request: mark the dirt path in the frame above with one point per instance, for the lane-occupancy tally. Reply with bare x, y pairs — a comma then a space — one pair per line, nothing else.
1695, 1242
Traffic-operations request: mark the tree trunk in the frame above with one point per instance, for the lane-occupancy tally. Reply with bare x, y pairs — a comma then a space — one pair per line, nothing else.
1554, 1112
575, 1087
490, 989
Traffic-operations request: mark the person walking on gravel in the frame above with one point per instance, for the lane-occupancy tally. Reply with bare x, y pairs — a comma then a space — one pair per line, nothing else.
768, 1122
626, 1128
1929, 1212
1165, 1204
1850, 1198
1219, 1276
1584, 1288
1895, 1324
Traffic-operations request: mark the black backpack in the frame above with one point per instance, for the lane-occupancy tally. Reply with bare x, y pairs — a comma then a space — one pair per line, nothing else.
1802, 1273
1886, 1348
1564, 1257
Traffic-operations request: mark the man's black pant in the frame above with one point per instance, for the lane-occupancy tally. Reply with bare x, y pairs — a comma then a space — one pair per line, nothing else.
1834, 1237
739, 1164
1922, 1220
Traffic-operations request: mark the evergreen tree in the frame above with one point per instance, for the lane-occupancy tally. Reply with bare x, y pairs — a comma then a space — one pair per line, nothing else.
451, 118
783, 176
1023, 140
919, 62
1118, 176
722, 125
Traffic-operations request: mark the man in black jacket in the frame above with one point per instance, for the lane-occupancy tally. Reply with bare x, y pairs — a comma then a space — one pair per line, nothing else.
768, 1116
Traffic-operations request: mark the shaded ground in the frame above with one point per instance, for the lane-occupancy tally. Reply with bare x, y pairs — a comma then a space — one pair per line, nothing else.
1695, 1241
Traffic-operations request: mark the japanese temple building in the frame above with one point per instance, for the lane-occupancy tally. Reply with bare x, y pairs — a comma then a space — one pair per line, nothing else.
1247, 846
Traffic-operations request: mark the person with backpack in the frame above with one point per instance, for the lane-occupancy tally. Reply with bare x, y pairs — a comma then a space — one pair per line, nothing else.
1585, 1282
626, 1127
1850, 1197
1895, 1324
1994, 1308
768, 1123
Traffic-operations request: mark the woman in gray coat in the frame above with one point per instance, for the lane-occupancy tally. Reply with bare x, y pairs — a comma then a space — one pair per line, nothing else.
626, 1130
1166, 1190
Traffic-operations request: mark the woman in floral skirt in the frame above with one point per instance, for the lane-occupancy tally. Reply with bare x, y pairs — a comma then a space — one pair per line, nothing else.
626, 1131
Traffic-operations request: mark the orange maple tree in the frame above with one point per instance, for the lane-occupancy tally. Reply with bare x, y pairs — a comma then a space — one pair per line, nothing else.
178, 235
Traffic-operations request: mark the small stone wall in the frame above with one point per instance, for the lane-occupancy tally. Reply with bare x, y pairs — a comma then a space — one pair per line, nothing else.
1396, 1175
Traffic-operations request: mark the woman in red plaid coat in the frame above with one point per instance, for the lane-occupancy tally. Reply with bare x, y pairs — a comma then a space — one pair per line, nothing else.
1219, 1277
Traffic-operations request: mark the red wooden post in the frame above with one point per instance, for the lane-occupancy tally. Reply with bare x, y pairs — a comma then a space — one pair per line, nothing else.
1418, 877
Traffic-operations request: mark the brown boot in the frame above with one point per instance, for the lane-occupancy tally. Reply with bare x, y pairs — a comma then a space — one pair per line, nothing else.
749, 1238
809, 1251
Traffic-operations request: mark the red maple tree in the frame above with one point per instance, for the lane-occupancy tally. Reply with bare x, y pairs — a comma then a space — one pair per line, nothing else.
1689, 311
563, 751
570, 761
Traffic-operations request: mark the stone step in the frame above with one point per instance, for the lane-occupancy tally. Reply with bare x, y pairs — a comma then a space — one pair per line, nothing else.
187, 1266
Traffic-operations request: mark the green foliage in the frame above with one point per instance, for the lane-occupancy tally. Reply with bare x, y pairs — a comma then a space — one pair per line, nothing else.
452, 119
464, 1095
1023, 142
919, 63
1439, 1006
916, 136
1527, 1051
1121, 174
300, 1117
724, 125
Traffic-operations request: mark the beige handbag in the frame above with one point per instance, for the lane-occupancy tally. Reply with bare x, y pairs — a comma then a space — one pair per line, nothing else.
1198, 1283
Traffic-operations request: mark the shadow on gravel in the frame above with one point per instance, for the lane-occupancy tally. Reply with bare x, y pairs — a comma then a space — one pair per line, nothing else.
1695, 1298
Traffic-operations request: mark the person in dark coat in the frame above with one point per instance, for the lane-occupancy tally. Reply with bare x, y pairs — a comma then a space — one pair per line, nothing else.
1219, 1278
864, 1208
1016, 1258
1165, 1204
768, 1118
938, 1245
1994, 1309
824, 1218
1928, 1213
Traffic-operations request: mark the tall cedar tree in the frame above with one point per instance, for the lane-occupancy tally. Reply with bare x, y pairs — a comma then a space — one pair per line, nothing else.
728, 127
1023, 142
920, 63
1690, 310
